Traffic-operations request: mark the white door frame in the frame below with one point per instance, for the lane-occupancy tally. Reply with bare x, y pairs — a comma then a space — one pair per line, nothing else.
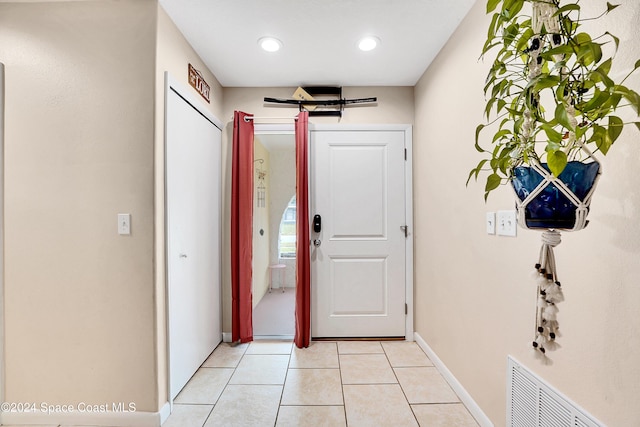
408, 180
172, 84
2, 370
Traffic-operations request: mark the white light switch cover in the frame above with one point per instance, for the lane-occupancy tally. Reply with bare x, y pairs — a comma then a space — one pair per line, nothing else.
506, 223
124, 224
491, 223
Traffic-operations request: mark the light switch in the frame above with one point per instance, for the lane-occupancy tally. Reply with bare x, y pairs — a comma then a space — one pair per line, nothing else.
124, 224
506, 223
491, 223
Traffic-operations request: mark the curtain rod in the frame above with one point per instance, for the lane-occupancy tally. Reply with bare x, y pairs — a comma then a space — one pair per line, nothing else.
247, 118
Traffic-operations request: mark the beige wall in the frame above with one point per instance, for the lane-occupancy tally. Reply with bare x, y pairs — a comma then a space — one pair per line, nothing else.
83, 142
79, 150
395, 105
283, 188
84, 306
261, 221
173, 55
475, 298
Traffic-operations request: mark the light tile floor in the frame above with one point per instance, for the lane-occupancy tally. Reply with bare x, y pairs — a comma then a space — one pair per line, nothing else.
344, 383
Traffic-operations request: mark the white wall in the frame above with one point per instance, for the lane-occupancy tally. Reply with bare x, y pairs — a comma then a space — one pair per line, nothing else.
475, 300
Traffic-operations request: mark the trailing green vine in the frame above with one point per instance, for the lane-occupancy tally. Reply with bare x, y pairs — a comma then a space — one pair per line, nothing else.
548, 91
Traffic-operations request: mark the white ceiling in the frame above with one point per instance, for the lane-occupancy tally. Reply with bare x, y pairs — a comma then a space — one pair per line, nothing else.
319, 39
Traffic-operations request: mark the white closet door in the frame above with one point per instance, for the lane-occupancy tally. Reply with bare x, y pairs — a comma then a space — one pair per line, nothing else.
193, 238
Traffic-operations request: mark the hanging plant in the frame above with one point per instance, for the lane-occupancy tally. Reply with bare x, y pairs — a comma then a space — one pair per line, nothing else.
549, 92
552, 106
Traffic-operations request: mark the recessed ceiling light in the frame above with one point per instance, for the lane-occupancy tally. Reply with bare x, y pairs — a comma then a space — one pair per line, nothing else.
368, 43
270, 44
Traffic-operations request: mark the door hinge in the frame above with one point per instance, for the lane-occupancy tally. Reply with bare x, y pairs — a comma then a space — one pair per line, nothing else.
405, 154
405, 230
406, 309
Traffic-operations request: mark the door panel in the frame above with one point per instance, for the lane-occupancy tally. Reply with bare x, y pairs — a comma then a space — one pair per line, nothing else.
358, 270
351, 278
357, 182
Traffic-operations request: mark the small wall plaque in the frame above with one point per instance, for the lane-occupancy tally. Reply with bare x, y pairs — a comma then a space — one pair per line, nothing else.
197, 81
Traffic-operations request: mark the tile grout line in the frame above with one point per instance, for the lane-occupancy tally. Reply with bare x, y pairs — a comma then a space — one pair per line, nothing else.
344, 401
225, 386
400, 385
284, 382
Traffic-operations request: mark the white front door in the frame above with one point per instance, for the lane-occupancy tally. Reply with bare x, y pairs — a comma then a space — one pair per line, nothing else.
358, 259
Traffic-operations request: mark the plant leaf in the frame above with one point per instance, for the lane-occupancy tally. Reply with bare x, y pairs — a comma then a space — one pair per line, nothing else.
487, 110
491, 32
557, 160
562, 117
610, 6
567, 8
474, 172
523, 41
501, 134
600, 137
596, 102
478, 129
546, 82
614, 129
493, 182
563, 49
492, 4
616, 40
515, 7
552, 134
589, 53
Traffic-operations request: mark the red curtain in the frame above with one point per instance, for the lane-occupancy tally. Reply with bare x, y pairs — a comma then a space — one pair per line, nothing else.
303, 272
241, 228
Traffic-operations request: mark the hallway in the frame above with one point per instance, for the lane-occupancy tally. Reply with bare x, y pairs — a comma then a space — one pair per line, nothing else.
354, 383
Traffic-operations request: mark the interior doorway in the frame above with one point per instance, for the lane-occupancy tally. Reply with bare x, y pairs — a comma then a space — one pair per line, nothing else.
274, 255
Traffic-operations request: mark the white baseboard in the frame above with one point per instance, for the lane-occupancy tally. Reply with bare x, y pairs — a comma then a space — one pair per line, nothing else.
273, 337
226, 337
42, 416
165, 412
464, 396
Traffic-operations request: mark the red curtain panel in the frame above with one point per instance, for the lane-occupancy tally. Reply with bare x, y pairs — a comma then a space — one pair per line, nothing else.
303, 272
241, 228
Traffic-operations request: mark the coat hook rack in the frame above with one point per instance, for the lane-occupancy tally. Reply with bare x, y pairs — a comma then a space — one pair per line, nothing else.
338, 103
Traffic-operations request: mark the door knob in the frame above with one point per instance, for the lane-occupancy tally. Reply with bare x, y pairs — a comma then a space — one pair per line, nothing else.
317, 242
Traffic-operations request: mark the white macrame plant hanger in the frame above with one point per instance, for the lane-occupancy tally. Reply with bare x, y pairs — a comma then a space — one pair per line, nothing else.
549, 287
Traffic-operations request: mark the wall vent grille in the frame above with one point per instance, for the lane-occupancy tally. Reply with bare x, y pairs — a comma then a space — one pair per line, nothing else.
533, 403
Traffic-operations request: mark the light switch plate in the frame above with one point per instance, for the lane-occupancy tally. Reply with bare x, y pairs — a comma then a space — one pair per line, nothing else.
124, 224
506, 223
491, 223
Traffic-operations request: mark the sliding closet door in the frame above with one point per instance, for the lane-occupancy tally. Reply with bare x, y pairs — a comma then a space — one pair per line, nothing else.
193, 181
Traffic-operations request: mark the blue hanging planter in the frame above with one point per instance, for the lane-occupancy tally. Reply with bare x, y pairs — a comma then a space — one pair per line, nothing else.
548, 202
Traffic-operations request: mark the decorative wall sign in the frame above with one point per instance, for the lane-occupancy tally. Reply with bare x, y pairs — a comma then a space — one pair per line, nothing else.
197, 81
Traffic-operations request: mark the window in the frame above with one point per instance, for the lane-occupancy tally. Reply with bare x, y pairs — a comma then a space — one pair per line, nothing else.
287, 234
